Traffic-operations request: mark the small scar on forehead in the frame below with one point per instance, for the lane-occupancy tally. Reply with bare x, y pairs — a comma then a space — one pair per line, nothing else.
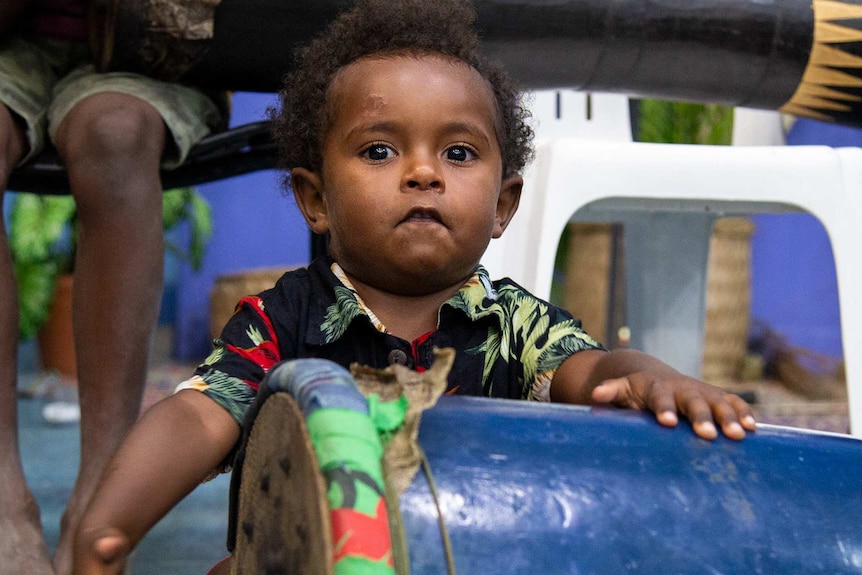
374, 101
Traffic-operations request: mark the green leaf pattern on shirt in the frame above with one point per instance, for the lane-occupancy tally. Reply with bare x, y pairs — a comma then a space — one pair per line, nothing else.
234, 394
216, 354
254, 335
347, 307
340, 314
523, 333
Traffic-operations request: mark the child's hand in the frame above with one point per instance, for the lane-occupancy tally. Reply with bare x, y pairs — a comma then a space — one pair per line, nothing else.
629, 378
669, 393
101, 552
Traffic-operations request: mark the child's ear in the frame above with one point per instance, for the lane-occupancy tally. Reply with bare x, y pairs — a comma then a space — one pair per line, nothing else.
308, 192
507, 203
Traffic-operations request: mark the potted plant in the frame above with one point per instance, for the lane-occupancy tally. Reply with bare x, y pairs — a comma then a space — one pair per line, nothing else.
684, 123
42, 240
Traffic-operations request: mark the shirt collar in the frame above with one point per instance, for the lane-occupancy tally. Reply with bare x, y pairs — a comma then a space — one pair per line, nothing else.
349, 298
334, 314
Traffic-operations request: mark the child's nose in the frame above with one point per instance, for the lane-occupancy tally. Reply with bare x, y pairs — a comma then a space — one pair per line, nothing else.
423, 174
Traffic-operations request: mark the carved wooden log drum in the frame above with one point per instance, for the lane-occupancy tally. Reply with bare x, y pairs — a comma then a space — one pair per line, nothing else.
799, 56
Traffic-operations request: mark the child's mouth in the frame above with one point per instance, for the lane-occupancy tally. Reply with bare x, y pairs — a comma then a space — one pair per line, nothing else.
423, 215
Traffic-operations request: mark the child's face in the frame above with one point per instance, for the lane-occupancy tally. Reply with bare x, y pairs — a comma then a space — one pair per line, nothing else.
411, 189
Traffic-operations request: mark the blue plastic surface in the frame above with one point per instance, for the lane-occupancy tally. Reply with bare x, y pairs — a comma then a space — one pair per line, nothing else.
530, 488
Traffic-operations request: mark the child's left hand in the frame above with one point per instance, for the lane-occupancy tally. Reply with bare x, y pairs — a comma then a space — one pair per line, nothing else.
627, 378
704, 405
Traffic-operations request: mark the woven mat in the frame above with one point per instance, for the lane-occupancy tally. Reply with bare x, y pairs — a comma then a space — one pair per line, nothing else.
775, 404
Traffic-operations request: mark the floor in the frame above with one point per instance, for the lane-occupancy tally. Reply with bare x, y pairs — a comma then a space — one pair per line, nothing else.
188, 541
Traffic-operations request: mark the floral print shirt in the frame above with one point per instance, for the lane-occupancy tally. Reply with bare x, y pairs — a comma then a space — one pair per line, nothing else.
508, 343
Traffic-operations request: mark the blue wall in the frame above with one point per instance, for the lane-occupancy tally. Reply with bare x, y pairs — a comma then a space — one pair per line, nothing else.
254, 225
794, 290
794, 287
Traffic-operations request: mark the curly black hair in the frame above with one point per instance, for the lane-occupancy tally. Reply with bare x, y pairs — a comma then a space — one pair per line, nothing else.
391, 26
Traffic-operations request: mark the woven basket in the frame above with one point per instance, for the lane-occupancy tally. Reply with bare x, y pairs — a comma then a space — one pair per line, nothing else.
728, 297
229, 289
588, 269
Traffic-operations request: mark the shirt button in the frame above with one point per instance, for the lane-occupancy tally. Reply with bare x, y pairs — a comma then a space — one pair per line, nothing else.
397, 356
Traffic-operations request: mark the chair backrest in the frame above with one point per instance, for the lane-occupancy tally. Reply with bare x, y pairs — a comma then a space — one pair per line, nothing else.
572, 114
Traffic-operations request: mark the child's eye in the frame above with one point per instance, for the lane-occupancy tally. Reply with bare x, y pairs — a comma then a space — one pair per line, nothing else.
460, 154
378, 152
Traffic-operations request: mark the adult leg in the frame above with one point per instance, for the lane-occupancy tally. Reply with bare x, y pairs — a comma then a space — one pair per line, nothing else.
111, 144
22, 547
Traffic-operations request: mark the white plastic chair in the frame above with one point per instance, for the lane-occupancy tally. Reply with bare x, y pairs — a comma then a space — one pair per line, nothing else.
758, 128
668, 196
557, 114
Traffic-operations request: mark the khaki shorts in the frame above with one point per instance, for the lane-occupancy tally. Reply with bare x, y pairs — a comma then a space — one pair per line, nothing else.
42, 80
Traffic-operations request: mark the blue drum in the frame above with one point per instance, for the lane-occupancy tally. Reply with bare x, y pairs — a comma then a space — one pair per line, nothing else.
523, 487
544, 489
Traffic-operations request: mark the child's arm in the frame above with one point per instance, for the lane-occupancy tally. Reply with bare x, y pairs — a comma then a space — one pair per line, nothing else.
627, 378
174, 446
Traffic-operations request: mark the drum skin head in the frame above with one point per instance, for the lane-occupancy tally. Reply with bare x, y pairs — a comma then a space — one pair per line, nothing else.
283, 524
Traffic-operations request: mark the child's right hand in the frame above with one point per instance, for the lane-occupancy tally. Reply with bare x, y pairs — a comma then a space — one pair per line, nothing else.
101, 552
169, 452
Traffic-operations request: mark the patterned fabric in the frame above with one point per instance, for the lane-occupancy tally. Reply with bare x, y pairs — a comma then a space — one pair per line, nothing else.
509, 343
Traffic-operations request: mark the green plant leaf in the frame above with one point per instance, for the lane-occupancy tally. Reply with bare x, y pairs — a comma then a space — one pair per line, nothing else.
201, 223
187, 205
42, 241
36, 283
684, 123
174, 206
37, 225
